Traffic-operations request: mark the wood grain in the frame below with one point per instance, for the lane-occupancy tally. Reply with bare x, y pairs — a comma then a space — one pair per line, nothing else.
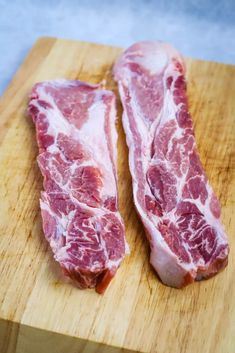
39, 310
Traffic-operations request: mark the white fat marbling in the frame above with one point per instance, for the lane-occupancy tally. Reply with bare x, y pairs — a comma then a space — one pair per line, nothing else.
154, 62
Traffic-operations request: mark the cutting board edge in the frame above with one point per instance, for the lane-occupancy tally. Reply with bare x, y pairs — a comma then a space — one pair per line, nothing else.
52, 40
16, 337
123, 48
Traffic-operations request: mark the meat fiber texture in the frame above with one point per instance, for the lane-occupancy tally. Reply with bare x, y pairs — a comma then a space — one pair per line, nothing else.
173, 197
76, 135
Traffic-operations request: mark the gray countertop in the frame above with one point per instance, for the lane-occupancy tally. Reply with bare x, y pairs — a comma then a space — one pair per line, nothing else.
201, 29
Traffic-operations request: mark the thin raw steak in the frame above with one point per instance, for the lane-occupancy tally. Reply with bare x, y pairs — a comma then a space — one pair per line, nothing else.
76, 135
172, 195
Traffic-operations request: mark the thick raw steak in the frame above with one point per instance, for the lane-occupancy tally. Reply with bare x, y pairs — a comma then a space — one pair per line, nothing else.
177, 205
76, 135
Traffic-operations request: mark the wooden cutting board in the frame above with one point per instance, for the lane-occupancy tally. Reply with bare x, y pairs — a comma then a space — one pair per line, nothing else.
39, 311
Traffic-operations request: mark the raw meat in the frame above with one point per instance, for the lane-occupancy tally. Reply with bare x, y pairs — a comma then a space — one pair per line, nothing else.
76, 135
172, 195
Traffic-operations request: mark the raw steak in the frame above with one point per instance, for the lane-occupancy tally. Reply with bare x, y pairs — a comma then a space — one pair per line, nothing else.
172, 195
76, 135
